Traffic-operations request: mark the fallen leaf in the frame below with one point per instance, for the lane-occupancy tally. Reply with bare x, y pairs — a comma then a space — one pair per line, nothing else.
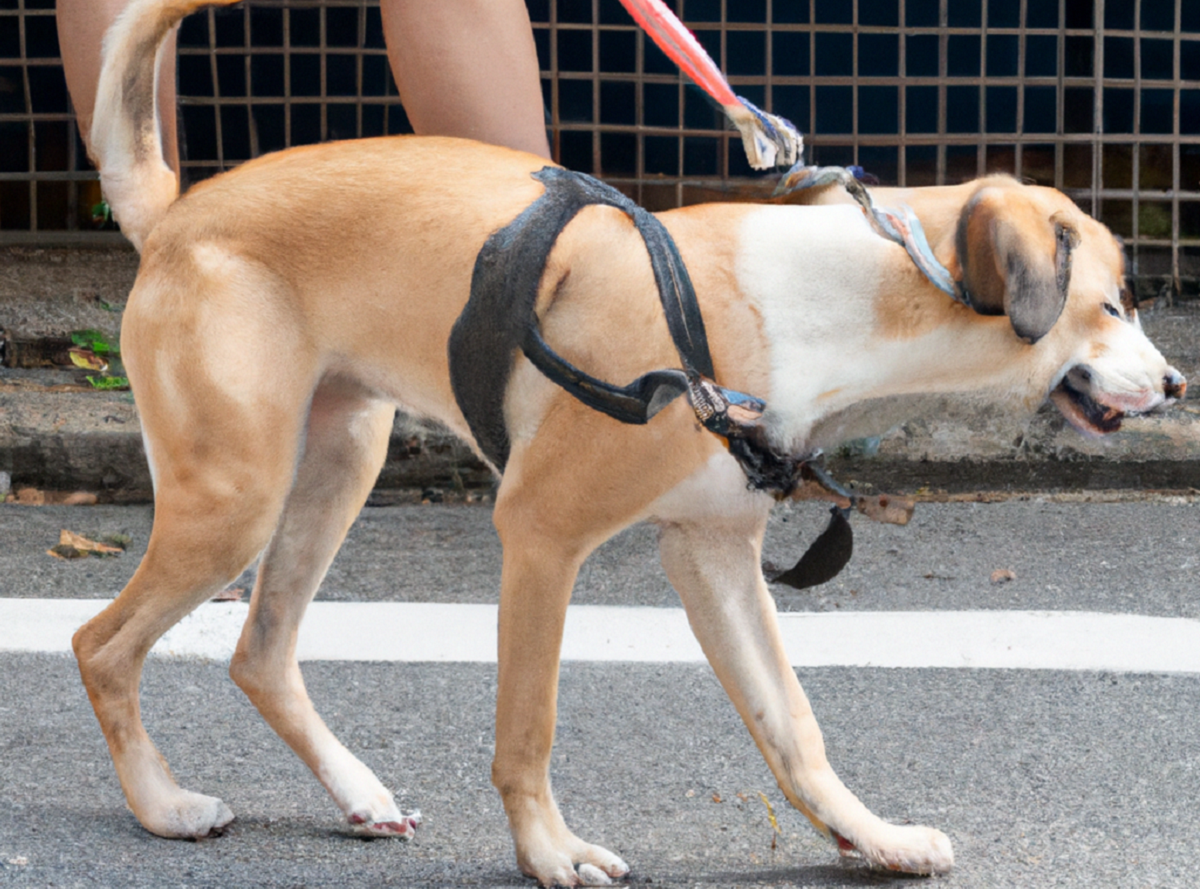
717, 798
1003, 575
770, 814
87, 359
891, 510
94, 340
35, 497
78, 498
75, 546
70, 538
108, 384
59, 551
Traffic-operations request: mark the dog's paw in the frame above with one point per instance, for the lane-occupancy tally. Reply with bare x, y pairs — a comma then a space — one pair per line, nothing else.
596, 867
911, 850
590, 875
187, 816
585, 875
393, 824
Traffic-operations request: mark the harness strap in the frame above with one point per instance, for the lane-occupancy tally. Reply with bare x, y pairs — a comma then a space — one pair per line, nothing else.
499, 316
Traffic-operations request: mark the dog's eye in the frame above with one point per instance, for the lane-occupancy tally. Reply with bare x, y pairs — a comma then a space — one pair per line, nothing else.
1128, 300
1112, 310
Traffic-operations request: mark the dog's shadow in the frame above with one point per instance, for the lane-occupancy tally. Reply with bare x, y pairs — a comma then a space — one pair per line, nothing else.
848, 875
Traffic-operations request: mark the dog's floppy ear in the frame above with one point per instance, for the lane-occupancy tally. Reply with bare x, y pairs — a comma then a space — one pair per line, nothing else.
1016, 259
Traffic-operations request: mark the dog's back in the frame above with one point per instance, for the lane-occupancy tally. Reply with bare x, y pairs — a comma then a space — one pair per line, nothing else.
377, 275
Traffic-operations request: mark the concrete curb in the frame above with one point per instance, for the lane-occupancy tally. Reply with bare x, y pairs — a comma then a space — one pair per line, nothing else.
57, 440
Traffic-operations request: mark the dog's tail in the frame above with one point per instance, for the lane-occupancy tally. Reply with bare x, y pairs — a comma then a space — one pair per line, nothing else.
126, 137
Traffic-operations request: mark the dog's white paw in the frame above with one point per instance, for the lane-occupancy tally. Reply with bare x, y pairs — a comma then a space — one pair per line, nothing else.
187, 816
911, 850
585, 875
369, 807
391, 824
597, 867
590, 875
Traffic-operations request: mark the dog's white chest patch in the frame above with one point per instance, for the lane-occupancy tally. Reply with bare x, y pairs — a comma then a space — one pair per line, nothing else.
814, 273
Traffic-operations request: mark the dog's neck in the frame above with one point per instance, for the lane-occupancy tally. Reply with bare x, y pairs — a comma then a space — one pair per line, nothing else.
889, 335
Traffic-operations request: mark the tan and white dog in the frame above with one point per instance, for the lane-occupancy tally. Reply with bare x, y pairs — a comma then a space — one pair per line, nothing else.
324, 282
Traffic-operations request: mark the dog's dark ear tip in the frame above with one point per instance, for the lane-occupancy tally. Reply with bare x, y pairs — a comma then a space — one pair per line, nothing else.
1031, 330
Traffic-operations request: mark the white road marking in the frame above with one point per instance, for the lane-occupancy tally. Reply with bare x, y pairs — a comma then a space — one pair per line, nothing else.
412, 632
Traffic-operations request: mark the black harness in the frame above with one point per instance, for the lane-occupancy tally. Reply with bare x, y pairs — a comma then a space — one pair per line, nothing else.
499, 317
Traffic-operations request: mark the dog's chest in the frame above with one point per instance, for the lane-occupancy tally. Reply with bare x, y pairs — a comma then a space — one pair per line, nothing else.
815, 275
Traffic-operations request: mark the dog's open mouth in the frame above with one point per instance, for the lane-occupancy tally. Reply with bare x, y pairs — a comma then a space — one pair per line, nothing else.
1084, 412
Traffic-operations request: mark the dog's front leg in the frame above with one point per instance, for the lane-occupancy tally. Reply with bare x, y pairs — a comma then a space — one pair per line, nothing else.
714, 564
539, 571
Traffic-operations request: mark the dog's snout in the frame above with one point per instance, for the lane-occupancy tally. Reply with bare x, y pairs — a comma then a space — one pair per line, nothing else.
1174, 384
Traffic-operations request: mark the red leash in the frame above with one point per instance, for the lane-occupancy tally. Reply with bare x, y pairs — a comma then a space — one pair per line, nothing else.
770, 141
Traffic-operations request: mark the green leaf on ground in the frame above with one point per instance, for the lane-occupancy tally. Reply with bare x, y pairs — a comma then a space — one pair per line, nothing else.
95, 340
108, 384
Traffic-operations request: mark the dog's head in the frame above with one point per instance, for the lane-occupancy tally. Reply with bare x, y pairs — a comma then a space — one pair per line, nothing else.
1031, 254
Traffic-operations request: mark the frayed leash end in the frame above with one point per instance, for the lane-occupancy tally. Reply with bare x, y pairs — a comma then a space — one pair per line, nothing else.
900, 225
912, 235
770, 141
801, 177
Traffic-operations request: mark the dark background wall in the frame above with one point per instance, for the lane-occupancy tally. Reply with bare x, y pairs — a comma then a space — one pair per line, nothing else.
1101, 99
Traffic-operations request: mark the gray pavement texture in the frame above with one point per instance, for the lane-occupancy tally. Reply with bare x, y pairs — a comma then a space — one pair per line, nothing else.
56, 434
1040, 778
1141, 556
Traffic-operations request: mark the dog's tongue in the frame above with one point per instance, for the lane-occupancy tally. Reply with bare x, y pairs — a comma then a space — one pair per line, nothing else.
1091, 419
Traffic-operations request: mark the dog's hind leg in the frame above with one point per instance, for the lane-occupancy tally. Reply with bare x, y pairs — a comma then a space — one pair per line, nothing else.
714, 564
345, 446
220, 483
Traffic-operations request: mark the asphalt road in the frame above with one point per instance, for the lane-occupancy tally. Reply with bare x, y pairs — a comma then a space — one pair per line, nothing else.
1040, 778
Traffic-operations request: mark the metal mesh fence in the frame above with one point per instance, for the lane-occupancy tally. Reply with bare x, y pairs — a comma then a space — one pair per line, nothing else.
46, 184
1100, 98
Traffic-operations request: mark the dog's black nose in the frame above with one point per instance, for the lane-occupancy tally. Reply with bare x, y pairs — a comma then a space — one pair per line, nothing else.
1174, 384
